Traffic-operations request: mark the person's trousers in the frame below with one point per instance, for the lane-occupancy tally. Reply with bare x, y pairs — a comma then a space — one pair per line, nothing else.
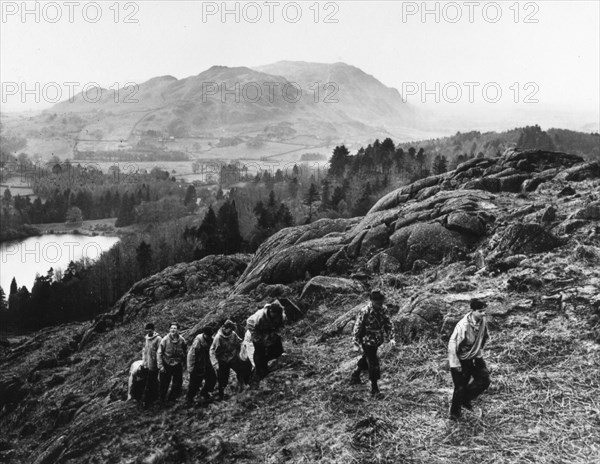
265, 353
209, 377
242, 369
136, 384
171, 373
369, 362
469, 383
151, 387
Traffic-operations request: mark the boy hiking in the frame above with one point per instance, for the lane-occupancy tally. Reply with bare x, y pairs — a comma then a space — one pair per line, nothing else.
372, 325
465, 355
171, 361
225, 356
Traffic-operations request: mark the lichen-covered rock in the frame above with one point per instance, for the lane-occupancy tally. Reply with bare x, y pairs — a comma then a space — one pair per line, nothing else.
375, 239
183, 278
580, 172
290, 253
465, 223
322, 285
567, 192
569, 226
590, 212
513, 183
429, 242
549, 214
383, 263
273, 291
12, 390
526, 238
540, 159
420, 317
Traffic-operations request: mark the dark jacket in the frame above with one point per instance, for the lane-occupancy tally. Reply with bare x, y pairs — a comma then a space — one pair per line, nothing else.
198, 357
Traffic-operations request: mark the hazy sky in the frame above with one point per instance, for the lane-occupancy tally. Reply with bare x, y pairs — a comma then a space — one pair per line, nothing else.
550, 49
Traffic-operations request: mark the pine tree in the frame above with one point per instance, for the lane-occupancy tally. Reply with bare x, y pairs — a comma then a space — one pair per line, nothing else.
338, 161
126, 214
190, 197
311, 196
207, 235
364, 203
325, 195
440, 164
143, 256
284, 217
338, 195
229, 228
13, 286
293, 188
420, 158
3, 302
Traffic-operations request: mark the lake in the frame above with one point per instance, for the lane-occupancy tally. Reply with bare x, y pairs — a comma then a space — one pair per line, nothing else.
35, 255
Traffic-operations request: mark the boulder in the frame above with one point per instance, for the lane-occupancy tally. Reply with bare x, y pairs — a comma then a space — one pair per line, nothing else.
410, 327
465, 223
549, 214
590, 212
539, 159
430, 242
273, 291
531, 185
525, 238
383, 263
309, 257
12, 390
290, 253
567, 192
569, 226
180, 279
375, 239
580, 172
496, 263
513, 183
322, 285
491, 184
422, 316
419, 266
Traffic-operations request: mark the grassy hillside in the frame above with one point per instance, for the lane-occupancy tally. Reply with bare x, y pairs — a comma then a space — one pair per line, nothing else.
64, 388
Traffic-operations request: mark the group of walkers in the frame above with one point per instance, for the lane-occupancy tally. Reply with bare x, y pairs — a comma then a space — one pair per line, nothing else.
211, 359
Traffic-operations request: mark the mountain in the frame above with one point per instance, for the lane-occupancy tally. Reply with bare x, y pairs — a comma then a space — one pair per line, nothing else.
519, 231
306, 104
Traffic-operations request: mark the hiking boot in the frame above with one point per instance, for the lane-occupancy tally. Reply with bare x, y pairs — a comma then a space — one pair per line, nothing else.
355, 378
375, 389
467, 405
220, 396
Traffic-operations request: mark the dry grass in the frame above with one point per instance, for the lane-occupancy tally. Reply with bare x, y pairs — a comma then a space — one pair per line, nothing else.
542, 406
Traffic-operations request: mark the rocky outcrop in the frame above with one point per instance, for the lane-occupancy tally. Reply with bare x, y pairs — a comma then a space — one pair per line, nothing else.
322, 285
436, 218
524, 239
291, 253
590, 212
428, 242
184, 278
